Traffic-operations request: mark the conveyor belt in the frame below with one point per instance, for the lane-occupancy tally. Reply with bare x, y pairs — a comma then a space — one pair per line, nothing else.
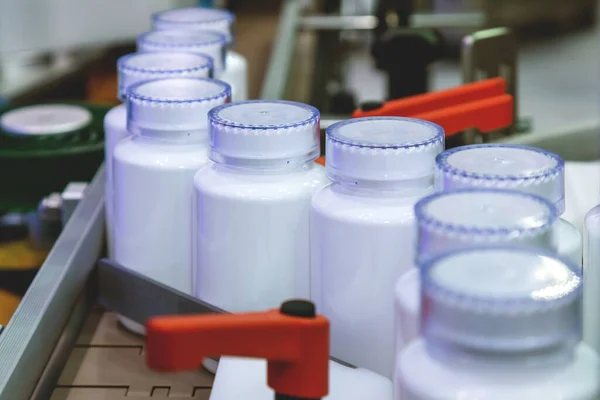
107, 362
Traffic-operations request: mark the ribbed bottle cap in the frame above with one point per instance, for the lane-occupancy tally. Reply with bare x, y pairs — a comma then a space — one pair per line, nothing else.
264, 133
466, 217
174, 105
195, 18
210, 43
503, 300
523, 168
138, 67
383, 150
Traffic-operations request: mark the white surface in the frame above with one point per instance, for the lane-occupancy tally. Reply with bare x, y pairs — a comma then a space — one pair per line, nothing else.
361, 244
420, 376
45, 119
132, 326
591, 283
582, 187
503, 275
385, 149
493, 210
251, 235
245, 378
407, 308
236, 74
27, 25
502, 161
153, 187
210, 43
115, 129
198, 18
265, 130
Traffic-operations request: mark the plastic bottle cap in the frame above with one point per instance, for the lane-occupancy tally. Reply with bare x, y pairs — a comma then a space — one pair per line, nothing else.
264, 133
209, 43
174, 105
450, 220
194, 18
45, 119
523, 168
383, 150
138, 67
508, 299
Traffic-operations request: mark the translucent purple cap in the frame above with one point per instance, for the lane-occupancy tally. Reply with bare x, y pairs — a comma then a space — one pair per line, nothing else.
516, 167
501, 300
467, 217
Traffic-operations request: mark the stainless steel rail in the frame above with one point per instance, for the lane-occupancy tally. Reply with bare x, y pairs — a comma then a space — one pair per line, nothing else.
36, 326
283, 50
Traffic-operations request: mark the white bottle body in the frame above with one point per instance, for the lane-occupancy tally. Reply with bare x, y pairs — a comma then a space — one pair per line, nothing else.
591, 282
251, 236
360, 246
408, 301
419, 376
236, 74
245, 378
115, 129
153, 187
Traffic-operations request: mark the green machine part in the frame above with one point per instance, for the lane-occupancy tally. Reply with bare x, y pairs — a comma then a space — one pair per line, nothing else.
35, 163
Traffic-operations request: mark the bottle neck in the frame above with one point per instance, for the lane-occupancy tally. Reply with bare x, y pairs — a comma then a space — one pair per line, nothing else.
553, 356
276, 169
407, 188
183, 137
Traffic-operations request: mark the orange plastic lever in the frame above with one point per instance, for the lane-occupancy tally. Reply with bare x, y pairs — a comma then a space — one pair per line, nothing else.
483, 105
293, 339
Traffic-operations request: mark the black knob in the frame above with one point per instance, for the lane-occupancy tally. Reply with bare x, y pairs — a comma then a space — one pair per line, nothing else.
298, 308
405, 54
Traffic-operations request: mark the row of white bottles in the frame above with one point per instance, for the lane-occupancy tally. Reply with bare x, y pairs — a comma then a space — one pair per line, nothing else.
235, 67
131, 69
500, 323
208, 35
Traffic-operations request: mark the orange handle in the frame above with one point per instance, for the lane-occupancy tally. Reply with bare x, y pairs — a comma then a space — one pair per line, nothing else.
483, 105
486, 115
433, 101
296, 347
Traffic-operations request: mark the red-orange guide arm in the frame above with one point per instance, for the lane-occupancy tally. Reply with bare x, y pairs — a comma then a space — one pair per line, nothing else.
296, 347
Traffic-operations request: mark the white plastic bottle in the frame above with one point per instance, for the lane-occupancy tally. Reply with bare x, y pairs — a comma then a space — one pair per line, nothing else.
591, 283
134, 68
500, 323
516, 167
245, 378
199, 18
362, 230
153, 177
252, 205
463, 218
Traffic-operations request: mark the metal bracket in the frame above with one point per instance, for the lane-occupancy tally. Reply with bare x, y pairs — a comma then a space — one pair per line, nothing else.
492, 53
